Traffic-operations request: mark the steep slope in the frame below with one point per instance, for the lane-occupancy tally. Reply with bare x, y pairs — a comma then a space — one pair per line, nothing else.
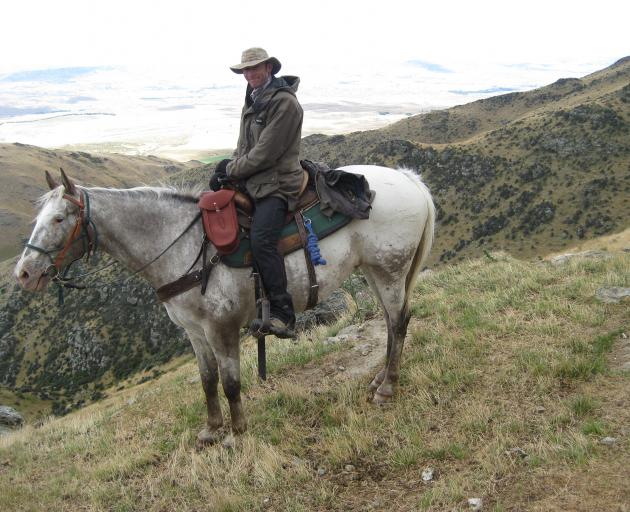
509, 390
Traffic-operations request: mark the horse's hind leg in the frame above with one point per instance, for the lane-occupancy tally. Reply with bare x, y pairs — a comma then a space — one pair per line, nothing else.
209, 373
378, 378
390, 291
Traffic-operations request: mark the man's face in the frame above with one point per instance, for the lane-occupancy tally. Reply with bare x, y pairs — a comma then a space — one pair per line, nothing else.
256, 76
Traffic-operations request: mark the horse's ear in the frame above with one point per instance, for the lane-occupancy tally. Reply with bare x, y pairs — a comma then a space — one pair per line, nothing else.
52, 183
67, 183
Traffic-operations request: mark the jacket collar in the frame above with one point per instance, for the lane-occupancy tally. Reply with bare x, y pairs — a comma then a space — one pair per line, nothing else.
287, 83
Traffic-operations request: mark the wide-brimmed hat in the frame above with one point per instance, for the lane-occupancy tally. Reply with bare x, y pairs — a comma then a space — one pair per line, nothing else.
254, 56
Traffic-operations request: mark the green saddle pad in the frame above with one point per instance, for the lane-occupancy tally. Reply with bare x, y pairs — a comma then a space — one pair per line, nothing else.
290, 238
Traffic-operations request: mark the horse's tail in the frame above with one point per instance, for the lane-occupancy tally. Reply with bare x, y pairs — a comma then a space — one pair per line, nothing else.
426, 240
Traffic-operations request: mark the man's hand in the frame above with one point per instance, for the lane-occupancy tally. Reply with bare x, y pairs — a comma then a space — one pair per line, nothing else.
220, 175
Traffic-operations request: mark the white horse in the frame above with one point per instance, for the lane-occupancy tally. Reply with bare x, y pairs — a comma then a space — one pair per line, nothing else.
135, 225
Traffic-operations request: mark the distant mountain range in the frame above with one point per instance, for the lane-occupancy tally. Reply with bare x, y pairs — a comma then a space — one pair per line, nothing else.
527, 172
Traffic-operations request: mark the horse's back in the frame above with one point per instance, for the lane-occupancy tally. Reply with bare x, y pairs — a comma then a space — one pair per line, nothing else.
400, 195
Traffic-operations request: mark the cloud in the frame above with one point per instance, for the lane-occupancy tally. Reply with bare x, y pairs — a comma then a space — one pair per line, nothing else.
429, 66
491, 90
528, 66
54, 75
24, 111
177, 107
77, 99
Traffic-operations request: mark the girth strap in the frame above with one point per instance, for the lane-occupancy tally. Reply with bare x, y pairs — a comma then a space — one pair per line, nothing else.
313, 290
188, 281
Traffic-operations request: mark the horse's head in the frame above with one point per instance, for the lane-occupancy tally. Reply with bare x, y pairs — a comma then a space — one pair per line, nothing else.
60, 236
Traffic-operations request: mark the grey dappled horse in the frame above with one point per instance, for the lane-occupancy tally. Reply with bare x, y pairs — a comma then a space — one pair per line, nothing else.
137, 224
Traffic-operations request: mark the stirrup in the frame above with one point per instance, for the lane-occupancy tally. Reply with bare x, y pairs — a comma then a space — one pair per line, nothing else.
258, 328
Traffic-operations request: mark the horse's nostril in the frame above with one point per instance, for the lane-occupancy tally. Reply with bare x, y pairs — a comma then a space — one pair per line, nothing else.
24, 275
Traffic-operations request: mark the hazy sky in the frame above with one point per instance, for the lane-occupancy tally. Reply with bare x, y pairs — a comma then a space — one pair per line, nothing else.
185, 36
144, 75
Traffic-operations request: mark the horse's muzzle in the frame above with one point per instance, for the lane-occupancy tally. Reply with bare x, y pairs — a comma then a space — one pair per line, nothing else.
32, 276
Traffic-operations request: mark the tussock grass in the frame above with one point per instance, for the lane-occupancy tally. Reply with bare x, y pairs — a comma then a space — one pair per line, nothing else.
505, 391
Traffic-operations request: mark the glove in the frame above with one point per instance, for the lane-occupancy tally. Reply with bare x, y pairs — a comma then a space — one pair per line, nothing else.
220, 175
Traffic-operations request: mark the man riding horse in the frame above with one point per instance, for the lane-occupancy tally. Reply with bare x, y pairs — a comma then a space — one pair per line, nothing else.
266, 162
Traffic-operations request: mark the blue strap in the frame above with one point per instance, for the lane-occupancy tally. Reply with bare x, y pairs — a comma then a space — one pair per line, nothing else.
311, 244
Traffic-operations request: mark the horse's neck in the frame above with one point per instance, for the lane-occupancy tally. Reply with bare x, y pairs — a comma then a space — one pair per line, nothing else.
136, 227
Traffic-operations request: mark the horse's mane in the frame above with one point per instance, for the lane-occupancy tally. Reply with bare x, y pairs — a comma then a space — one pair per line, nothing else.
185, 193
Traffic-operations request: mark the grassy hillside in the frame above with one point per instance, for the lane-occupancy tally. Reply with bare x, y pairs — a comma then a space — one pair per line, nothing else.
59, 357
508, 388
529, 172
22, 178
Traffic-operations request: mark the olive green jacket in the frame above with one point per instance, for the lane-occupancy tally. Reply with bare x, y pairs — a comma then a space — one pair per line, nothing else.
267, 155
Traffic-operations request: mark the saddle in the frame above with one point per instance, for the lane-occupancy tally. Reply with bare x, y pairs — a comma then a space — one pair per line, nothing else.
227, 216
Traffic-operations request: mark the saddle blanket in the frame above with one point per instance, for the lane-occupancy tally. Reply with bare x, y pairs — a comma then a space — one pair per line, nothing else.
290, 240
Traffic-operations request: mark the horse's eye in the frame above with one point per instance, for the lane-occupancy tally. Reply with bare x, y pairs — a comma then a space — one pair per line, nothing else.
59, 219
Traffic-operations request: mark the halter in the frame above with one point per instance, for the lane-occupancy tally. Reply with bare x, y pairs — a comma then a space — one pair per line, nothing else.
84, 230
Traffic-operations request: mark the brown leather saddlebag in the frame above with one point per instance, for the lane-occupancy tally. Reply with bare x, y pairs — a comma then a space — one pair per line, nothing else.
219, 220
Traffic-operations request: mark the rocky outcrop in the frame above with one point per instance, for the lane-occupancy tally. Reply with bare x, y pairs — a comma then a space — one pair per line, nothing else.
328, 311
9, 417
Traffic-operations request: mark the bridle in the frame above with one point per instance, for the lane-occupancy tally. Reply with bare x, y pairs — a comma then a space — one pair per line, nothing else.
84, 231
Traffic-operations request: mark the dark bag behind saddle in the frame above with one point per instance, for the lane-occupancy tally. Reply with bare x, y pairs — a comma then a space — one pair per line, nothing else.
219, 220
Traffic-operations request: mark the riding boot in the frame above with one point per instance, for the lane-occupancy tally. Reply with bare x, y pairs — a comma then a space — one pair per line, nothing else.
282, 308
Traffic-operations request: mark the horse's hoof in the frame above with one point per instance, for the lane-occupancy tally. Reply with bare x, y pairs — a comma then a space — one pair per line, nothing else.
380, 399
207, 437
383, 395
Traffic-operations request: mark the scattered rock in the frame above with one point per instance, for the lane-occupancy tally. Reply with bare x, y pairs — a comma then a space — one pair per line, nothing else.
10, 417
427, 474
540, 409
364, 349
321, 471
340, 338
349, 468
613, 294
341, 368
475, 504
296, 462
608, 441
266, 502
516, 451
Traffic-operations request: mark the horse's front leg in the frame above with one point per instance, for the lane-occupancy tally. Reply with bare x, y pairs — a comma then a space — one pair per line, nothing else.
209, 373
226, 347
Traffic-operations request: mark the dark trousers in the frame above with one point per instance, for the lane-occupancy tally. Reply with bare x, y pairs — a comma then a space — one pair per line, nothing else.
267, 224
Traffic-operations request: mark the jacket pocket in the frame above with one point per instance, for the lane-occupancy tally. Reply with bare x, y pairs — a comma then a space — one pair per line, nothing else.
263, 184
